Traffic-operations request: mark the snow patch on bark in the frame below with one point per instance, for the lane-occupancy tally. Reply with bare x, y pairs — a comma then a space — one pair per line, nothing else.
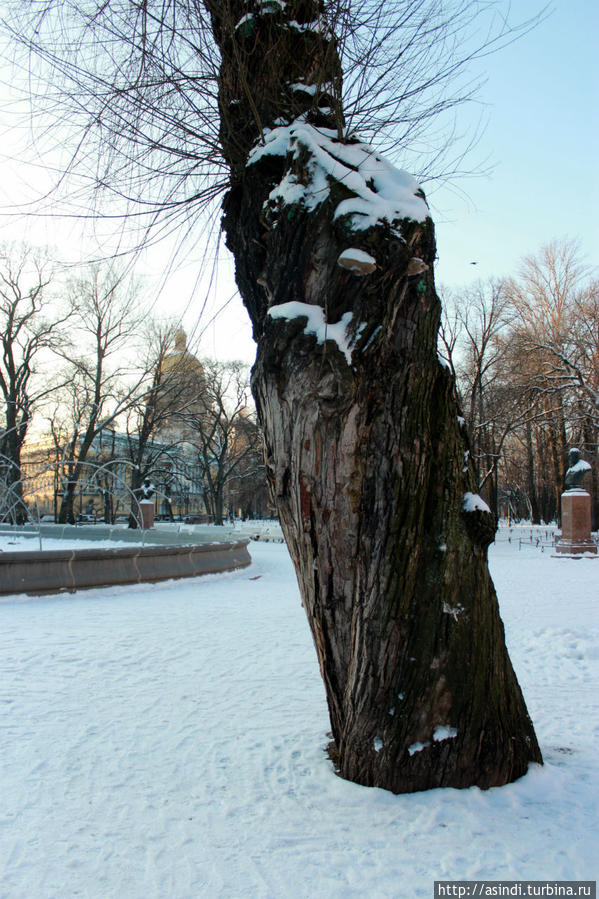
318, 326
291, 191
418, 747
381, 193
441, 732
247, 18
318, 26
312, 88
267, 7
372, 337
444, 732
454, 611
378, 744
473, 502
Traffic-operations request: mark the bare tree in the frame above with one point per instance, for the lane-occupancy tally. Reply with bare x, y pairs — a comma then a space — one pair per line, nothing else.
583, 364
556, 336
132, 90
248, 494
224, 432
334, 254
171, 390
28, 328
477, 345
523, 351
107, 376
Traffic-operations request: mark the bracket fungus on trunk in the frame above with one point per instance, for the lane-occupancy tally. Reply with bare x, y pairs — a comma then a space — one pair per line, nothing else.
357, 261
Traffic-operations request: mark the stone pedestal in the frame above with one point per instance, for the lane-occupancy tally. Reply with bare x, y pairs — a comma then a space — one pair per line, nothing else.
576, 524
147, 513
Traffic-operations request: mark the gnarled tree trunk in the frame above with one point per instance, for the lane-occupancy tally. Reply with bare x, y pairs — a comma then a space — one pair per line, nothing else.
368, 461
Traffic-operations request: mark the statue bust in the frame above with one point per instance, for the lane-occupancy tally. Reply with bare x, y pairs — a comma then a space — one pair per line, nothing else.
147, 489
577, 470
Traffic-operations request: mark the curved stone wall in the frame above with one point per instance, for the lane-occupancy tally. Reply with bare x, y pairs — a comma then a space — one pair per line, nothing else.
34, 572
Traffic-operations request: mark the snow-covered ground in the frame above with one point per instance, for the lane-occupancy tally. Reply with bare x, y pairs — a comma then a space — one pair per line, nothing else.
167, 742
31, 543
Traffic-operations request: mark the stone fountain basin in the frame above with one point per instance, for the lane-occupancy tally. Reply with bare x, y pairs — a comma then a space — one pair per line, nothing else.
166, 553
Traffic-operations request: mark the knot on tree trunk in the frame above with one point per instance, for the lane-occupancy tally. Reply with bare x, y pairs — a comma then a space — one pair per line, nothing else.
481, 526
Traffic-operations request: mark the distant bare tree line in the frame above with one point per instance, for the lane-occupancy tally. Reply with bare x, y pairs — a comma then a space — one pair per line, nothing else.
84, 357
525, 352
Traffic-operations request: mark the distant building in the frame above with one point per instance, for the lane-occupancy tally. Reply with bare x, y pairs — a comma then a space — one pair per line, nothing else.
187, 372
172, 458
103, 489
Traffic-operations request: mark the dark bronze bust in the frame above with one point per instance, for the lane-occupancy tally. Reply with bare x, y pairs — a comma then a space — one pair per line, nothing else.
147, 489
577, 470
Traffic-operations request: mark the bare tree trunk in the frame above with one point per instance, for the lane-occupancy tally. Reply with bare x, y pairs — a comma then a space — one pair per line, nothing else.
66, 514
530, 477
218, 507
558, 449
365, 452
590, 440
11, 448
549, 511
134, 513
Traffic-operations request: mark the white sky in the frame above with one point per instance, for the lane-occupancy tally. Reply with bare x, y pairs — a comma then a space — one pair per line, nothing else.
541, 101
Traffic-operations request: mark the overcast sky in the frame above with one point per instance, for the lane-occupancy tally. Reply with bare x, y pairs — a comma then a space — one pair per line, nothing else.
541, 105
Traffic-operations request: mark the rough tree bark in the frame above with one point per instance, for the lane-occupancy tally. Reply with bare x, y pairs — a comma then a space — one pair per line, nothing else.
12, 439
365, 451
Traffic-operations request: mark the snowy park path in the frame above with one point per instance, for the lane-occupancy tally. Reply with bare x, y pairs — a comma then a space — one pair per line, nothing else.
166, 741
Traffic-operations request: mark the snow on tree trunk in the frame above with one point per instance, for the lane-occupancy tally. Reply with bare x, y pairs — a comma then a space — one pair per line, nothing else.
334, 255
